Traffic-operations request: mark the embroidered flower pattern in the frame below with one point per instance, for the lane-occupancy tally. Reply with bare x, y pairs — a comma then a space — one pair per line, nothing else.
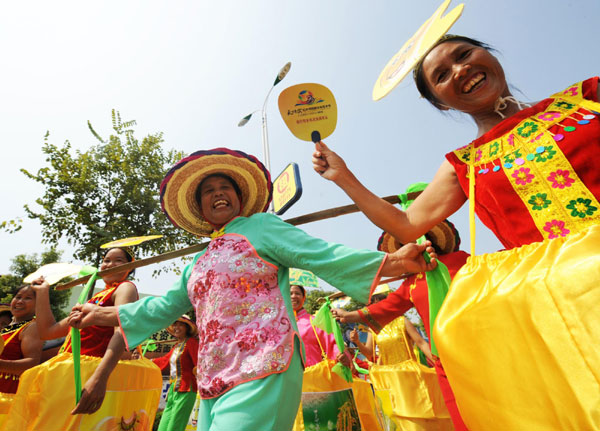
560, 179
549, 116
511, 140
556, 228
510, 158
522, 176
571, 91
581, 207
527, 129
244, 329
548, 154
494, 148
478, 155
539, 201
564, 105
217, 387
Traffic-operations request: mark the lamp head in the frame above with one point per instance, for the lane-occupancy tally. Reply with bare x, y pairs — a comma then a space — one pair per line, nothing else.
284, 71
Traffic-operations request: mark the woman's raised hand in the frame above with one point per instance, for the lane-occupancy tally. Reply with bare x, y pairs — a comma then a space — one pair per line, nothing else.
39, 284
345, 316
327, 163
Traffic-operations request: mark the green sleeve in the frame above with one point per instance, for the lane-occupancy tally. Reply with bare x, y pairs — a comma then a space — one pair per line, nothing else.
354, 272
138, 320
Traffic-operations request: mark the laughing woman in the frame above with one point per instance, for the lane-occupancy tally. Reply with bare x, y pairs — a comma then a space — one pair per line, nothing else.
250, 354
22, 344
535, 183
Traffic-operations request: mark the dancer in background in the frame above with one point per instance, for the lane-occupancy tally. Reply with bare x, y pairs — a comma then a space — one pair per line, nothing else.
181, 361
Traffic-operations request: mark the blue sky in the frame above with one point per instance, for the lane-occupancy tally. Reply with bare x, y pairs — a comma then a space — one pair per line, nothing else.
193, 69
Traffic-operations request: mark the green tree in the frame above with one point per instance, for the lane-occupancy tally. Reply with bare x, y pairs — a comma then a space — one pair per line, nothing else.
107, 192
24, 264
313, 299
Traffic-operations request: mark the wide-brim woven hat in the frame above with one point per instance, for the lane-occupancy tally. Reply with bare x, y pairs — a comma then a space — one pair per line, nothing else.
185, 319
444, 237
178, 188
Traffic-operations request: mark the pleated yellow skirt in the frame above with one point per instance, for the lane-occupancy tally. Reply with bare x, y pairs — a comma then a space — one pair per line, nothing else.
320, 378
519, 336
416, 399
46, 395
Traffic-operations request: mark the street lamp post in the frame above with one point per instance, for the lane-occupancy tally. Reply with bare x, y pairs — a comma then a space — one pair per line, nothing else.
265, 137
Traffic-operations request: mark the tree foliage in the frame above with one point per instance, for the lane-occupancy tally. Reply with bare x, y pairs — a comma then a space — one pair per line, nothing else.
313, 299
107, 192
21, 266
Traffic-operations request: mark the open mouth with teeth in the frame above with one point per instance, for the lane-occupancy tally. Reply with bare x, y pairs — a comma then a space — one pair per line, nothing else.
474, 83
221, 203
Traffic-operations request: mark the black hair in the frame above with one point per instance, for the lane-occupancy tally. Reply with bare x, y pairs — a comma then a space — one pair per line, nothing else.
301, 288
418, 73
6, 312
128, 255
18, 289
198, 193
378, 297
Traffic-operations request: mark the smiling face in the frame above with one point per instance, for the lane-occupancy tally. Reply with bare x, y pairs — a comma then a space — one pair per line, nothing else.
219, 200
179, 330
464, 77
298, 297
22, 305
114, 257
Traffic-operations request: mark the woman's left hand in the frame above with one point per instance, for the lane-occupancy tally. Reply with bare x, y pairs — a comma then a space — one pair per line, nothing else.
344, 358
409, 259
92, 397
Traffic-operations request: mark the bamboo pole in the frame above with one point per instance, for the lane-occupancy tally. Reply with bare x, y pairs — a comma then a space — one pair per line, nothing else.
138, 264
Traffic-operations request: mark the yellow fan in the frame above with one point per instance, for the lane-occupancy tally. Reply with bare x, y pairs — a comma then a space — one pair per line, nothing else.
415, 49
54, 272
127, 242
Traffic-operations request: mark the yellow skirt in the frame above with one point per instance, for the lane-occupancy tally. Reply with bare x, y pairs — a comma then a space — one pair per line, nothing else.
519, 336
46, 395
319, 378
414, 392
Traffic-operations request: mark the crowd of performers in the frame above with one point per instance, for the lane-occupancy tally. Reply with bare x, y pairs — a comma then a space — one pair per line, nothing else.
517, 334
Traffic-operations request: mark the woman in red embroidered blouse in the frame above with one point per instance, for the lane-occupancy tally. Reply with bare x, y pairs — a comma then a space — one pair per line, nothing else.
22, 344
99, 341
181, 361
536, 179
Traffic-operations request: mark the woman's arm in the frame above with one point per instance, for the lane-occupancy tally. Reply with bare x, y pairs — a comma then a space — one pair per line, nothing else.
48, 328
94, 389
31, 346
442, 198
419, 341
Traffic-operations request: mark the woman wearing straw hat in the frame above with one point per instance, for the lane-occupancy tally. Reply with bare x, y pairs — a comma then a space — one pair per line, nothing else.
531, 176
249, 357
181, 360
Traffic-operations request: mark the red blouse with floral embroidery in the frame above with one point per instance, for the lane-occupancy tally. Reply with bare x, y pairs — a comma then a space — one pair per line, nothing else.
536, 172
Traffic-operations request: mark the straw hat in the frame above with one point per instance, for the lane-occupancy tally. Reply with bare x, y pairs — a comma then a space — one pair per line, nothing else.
178, 188
301, 277
185, 319
444, 236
